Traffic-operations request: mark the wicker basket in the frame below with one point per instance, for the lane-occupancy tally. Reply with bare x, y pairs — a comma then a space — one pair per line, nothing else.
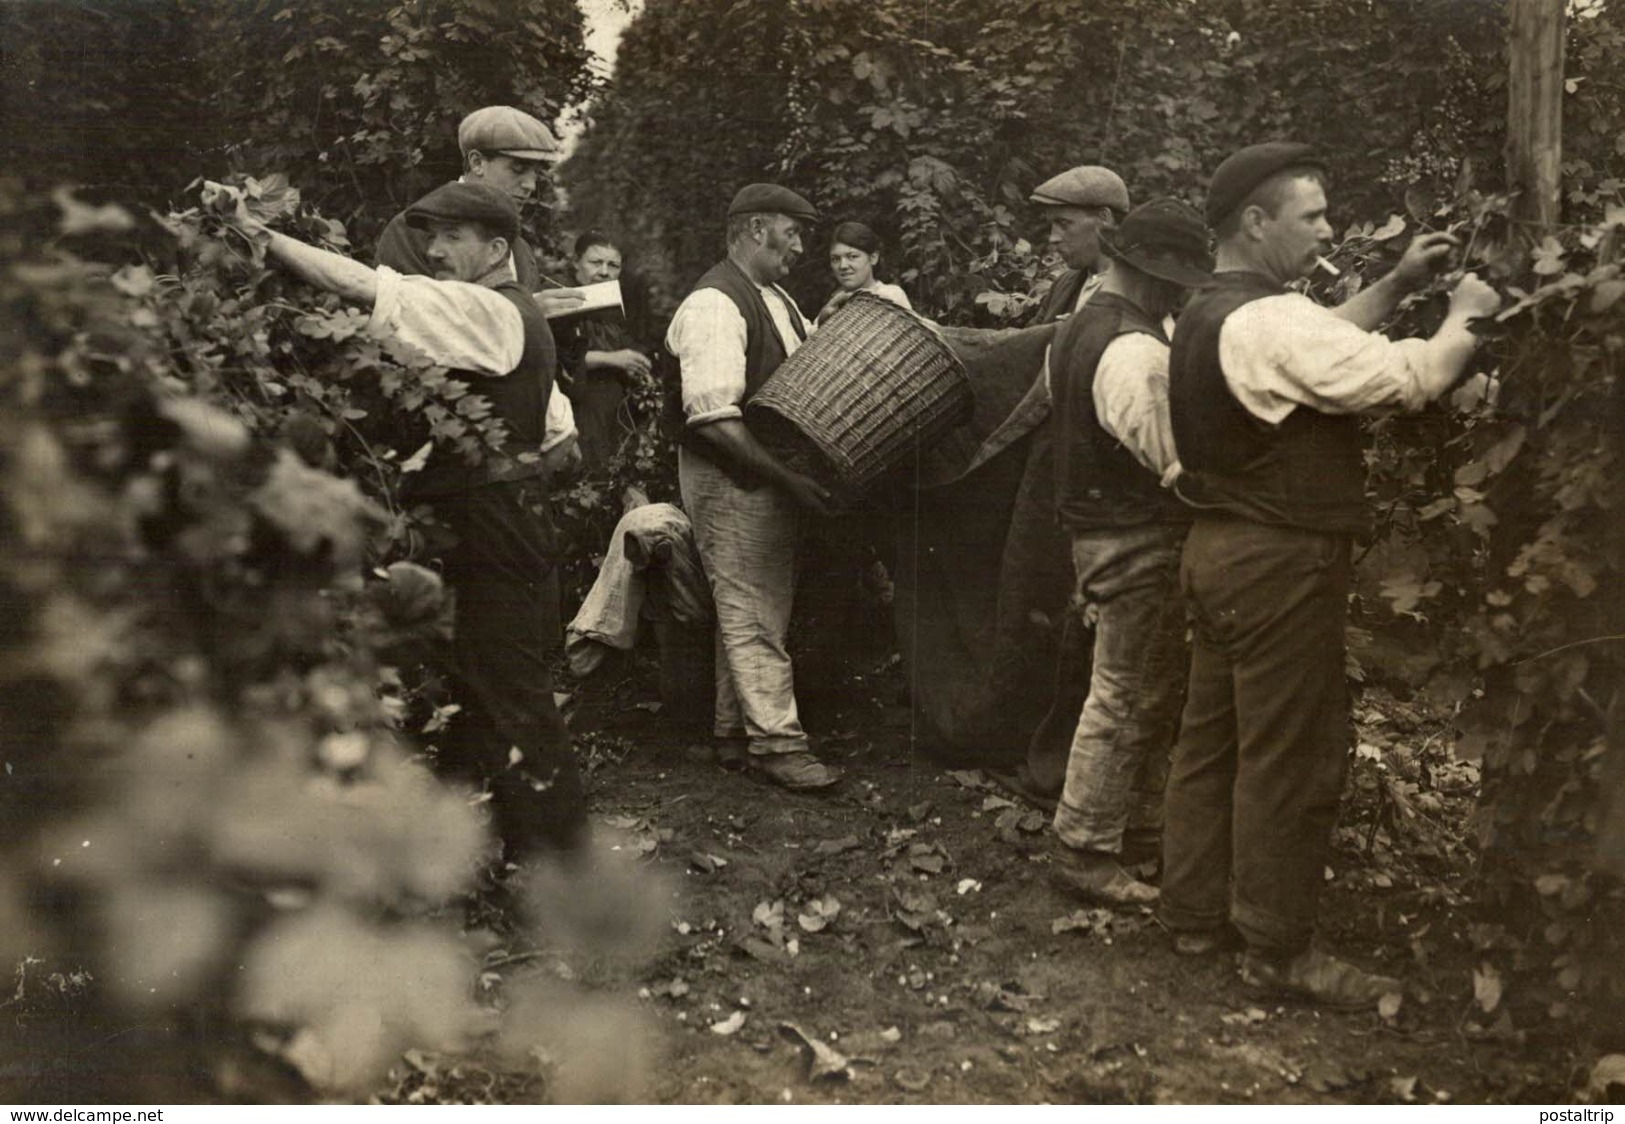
865, 390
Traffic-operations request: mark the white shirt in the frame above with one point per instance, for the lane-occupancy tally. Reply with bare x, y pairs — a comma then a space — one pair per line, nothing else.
1286, 351
888, 291
464, 326
708, 335
1131, 401
1088, 289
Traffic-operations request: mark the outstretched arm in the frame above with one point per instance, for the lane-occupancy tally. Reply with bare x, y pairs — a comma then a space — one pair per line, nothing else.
336, 273
1372, 305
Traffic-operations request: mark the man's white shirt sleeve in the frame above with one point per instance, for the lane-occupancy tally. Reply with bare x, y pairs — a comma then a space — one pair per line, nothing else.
1131, 400
561, 420
1286, 351
456, 324
708, 337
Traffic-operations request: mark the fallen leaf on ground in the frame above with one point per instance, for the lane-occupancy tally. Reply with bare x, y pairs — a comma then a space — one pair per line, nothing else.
826, 1060
703, 861
1043, 1026
1004, 997
994, 803
729, 1025
836, 846
1325, 1076
966, 885
968, 778
769, 915
918, 812
911, 1080
758, 949
1403, 1087
1085, 920
820, 912
1388, 1006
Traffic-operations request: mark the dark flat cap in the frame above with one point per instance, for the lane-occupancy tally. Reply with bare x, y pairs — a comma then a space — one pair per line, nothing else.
1089, 185
1165, 238
508, 131
467, 202
771, 199
1242, 171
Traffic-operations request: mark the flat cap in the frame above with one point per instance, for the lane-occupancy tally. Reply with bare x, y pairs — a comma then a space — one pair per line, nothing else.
771, 199
506, 130
1165, 238
1086, 186
467, 202
1244, 170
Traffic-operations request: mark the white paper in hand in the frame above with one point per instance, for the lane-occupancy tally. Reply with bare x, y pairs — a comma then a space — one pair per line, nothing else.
605, 294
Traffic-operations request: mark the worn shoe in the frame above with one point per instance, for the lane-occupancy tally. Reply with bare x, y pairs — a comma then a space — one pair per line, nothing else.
799, 771
1098, 877
1317, 976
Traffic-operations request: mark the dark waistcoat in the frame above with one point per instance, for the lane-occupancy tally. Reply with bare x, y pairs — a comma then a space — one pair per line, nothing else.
764, 351
1098, 483
519, 398
1307, 472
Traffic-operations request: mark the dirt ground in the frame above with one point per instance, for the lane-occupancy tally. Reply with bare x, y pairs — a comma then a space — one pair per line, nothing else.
905, 924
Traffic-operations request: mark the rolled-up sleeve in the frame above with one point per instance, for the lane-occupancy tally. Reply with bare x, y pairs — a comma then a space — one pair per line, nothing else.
561, 420
1286, 351
707, 335
456, 324
1131, 399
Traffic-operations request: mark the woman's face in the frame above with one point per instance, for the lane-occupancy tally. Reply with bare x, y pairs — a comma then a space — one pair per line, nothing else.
598, 263
852, 267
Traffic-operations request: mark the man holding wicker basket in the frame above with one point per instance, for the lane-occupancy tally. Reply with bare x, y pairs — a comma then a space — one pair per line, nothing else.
730, 333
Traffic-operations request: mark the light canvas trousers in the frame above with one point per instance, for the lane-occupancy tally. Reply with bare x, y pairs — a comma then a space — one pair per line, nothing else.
747, 542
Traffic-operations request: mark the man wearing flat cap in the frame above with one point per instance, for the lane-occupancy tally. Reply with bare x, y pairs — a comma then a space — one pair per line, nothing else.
1079, 203
729, 334
504, 149
473, 317
1113, 454
1266, 389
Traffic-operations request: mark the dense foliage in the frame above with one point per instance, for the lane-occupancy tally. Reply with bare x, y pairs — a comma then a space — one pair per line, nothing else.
210, 585
216, 652
933, 122
358, 103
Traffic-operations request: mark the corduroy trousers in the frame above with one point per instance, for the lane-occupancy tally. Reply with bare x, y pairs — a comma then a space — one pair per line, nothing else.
1263, 747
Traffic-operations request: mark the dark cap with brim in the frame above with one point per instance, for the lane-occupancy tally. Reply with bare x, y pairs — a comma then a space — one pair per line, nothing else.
771, 199
1243, 171
1164, 238
467, 202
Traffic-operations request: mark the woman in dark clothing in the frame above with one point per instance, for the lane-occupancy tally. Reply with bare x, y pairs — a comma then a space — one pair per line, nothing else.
599, 353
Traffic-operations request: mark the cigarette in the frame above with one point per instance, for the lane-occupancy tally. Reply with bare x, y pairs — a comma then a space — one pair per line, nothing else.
1328, 266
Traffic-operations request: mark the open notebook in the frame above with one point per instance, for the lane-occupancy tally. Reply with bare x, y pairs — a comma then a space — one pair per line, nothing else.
605, 294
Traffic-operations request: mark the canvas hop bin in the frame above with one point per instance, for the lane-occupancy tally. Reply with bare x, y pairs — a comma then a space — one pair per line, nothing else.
865, 390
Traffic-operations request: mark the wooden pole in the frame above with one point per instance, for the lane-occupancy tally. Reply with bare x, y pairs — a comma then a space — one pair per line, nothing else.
1535, 111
